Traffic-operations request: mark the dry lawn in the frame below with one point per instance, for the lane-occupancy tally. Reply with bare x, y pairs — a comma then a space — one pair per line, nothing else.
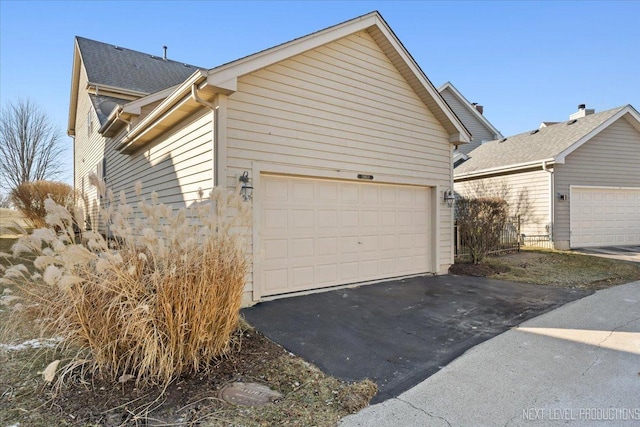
554, 268
8, 219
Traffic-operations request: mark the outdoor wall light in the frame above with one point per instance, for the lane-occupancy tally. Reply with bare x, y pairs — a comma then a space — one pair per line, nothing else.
449, 197
246, 191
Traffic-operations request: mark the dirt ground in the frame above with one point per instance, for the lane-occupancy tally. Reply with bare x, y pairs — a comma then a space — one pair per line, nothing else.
309, 396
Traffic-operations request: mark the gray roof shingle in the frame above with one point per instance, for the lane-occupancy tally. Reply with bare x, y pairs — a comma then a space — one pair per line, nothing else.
533, 146
123, 68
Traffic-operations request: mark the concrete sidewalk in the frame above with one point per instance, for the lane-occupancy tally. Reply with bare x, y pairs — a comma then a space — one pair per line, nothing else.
576, 365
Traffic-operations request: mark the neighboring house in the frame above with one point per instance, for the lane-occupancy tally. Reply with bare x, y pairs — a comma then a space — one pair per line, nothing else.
472, 117
346, 142
582, 177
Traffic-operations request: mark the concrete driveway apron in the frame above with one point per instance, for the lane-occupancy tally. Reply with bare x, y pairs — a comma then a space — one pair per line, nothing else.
623, 253
399, 333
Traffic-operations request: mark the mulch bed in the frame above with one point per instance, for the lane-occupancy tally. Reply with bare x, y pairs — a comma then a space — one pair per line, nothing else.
477, 270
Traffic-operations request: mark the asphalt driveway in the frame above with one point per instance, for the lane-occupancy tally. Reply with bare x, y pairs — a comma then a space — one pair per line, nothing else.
399, 333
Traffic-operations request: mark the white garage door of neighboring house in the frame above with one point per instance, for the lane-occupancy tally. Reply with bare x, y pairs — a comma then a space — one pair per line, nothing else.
317, 233
604, 216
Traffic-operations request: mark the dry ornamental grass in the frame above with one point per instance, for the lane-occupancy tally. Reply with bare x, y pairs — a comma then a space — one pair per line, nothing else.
159, 299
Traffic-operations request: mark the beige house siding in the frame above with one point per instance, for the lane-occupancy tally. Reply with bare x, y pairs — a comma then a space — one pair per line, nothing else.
177, 165
535, 184
610, 159
88, 151
336, 111
479, 131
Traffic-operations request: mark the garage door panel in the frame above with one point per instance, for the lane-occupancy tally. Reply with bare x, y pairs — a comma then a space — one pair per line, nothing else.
388, 196
276, 191
276, 249
301, 192
327, 192
327, 274
368, 218
404, 218
349, 271
302, 276
275, 280
275, 219
328, 219
303, 248
349, 219
327, 246
321, 233
604, 216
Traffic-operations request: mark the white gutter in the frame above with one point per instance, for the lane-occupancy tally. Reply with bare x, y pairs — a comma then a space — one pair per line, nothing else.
113, 117
509, 168
552, 198
163, 108
97, 87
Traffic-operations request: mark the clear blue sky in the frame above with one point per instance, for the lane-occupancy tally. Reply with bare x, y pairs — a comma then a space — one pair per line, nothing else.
526, 62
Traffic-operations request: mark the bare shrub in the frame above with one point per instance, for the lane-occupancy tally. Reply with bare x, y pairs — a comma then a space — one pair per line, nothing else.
160, 299
520, 204
480, 224
29, 198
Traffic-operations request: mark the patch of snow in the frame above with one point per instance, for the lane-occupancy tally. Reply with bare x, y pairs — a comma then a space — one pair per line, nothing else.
33, 343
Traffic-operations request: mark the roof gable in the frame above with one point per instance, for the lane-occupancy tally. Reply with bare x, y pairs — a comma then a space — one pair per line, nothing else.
547, 144
223, 79
449, 87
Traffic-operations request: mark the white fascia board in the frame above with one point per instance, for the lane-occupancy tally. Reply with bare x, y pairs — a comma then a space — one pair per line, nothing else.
75, 81
251, 63
471, 108
561, 157
504, 169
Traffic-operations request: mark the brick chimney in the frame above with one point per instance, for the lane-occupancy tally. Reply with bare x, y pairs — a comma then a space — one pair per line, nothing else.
582, 112
478, 107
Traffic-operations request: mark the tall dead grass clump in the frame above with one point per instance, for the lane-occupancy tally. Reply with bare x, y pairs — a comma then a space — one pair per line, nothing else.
160, 298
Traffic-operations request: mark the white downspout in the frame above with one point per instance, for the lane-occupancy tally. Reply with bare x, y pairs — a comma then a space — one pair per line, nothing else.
214, 124
552, 199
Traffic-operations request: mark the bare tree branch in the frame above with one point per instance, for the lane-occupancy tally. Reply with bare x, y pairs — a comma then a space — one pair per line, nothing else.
30, 146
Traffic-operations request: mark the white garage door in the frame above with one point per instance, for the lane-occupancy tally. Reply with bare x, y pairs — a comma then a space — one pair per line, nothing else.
604, 216
317, 233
